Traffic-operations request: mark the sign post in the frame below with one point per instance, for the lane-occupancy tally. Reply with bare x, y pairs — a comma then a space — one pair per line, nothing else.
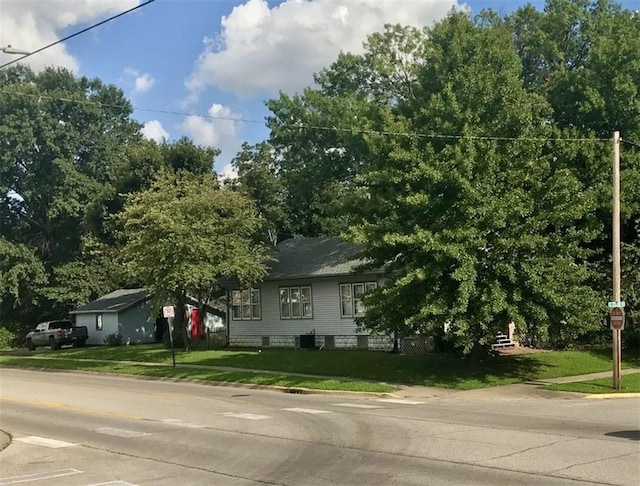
168, 313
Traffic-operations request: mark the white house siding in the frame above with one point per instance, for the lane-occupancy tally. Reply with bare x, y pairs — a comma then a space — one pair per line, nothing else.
326, 320
96, 336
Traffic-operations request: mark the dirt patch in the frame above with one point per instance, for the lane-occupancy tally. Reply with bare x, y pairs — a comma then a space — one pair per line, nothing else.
520, 350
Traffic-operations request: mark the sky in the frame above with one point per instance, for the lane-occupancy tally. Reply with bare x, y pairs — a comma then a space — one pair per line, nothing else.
211, 63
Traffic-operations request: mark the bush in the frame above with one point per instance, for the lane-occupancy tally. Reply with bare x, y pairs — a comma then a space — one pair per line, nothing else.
113, 340
8, 339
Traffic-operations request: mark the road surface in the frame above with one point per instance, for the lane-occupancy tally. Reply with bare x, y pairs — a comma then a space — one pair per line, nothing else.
77, 429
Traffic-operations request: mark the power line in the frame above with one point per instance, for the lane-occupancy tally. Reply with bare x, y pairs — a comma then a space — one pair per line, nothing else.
78, 33
363, 131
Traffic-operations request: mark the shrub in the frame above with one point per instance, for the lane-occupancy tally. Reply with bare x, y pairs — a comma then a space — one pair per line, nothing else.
113, 340
8, 339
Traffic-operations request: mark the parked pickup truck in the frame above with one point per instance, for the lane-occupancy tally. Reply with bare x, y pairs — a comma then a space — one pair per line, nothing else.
55, 334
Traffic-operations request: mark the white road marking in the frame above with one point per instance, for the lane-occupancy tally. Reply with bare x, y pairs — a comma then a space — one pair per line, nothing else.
27, 478
114, 483
399, 400
127, 434
180, 423
43, 441
306, 410
356, 405
247, 416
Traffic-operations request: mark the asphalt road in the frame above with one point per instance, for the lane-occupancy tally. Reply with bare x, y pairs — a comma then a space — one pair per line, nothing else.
77, 429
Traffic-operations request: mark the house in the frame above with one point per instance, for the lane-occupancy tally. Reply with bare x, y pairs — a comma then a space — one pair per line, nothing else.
130, 314
310, 298
126, 312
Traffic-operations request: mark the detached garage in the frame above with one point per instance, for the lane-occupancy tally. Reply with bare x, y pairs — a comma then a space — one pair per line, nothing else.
126, 312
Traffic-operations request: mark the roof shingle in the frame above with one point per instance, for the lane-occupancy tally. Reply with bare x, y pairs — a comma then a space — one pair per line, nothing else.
114, 302
314, 257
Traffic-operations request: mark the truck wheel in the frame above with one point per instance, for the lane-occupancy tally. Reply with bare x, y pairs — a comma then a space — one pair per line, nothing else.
52, 344
80, 343
30, 345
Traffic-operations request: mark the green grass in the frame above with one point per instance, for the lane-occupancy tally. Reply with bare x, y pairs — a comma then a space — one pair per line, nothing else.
186, 372
439, 370
629, 384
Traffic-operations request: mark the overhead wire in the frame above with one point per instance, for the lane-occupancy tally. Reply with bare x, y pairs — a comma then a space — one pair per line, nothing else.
314, 127
71, 36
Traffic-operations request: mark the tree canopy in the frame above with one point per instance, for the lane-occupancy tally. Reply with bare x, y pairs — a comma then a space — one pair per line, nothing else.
472, 160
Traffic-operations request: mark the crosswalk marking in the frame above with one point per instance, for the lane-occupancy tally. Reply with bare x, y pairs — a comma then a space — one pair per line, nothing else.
400, 401
27, 478
43, 441
247, 416
127, 434
306, 410
180, 423
356, 405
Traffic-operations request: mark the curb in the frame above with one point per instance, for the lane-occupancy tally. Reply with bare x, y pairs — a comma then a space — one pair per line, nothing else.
611, 396
230, 384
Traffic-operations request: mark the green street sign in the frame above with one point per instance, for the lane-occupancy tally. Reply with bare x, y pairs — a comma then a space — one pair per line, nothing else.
616, 304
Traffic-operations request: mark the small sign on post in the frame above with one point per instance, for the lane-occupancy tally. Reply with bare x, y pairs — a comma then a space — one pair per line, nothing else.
616, 304
168, 313
617, 318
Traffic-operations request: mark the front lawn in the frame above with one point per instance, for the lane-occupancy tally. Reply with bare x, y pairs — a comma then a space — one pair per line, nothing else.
629, 384
439, 370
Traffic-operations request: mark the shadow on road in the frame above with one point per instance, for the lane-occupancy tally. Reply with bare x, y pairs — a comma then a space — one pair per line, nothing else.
625, 434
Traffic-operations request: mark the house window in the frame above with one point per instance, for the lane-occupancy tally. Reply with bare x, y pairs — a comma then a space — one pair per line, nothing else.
351, 298
245, 304
295, 303
98, 322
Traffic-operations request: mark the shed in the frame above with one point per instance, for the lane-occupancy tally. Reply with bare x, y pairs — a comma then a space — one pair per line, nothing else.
127, 312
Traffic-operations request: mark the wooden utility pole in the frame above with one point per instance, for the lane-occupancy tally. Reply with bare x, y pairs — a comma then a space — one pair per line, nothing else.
617, 347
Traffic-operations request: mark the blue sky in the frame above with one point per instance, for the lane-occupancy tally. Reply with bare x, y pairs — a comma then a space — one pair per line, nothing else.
218, 57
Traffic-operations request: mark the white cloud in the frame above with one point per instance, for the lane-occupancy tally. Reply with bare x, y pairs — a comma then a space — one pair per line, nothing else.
228, 172
142, 82
220, 132
261, 48
153, 130
31, 24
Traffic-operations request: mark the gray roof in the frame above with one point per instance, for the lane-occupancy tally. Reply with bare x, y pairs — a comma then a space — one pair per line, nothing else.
314, 257
114, 302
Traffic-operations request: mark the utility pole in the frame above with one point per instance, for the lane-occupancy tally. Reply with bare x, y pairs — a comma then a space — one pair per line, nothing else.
617, 347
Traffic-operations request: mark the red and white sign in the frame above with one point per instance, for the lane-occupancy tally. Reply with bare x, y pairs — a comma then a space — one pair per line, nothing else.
167, 311
617, 318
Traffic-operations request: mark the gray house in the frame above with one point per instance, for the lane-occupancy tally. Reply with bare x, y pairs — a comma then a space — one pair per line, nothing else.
129, 313
310, 297
126, 312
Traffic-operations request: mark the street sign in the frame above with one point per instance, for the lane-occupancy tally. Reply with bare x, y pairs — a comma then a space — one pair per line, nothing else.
167, 311
617, 319
616, 304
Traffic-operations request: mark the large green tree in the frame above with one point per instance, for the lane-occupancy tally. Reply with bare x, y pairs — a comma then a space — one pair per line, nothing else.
62, 141
258, 178
184, 234
317, 135
473, 164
